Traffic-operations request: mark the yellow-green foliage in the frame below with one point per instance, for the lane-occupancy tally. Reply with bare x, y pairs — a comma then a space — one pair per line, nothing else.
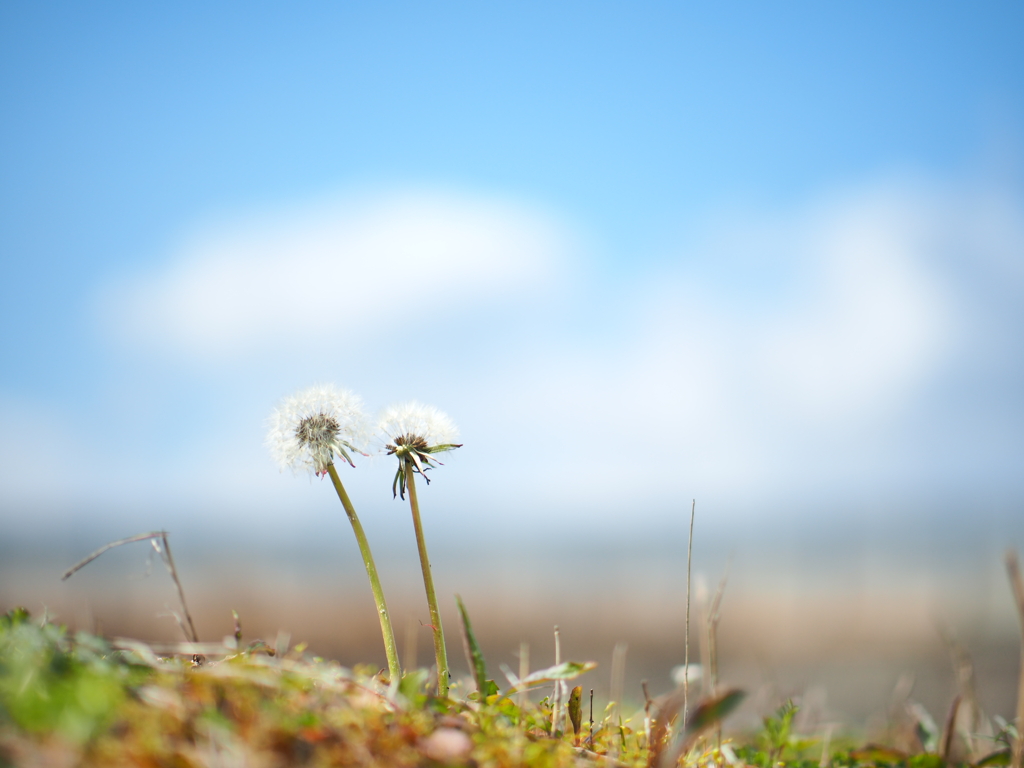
78, 700
95, 705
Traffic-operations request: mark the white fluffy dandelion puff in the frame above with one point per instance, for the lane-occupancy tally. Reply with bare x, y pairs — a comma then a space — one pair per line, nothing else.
415, 433
309, 429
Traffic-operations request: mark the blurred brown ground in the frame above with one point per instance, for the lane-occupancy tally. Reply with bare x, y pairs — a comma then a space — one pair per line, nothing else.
842, 647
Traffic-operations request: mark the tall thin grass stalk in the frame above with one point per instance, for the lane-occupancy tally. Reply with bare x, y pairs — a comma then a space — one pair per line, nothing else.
976, 728
524, 671
591, 718
686, 651
949, 728
647, 712
617, 691
390, 647
703, 613
556, 695
440, 652
714, 614
169, 562
826, 742
1017, 584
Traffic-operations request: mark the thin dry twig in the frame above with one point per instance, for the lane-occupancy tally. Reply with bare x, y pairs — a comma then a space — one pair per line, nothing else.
1017, 584
556, 695
974, 726
524, 671
714, 614
686, 651
169, 562
647, 711
165, 554
946, 743
130, 540
591, 718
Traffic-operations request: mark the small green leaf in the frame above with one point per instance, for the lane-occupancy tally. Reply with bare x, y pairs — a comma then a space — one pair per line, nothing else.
14, 617
999, 757
926, 761
876, 753
489, 692
568, 670
413, 687
712, 711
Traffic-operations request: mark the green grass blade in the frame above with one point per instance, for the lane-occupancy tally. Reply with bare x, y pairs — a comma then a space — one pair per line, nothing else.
474, 657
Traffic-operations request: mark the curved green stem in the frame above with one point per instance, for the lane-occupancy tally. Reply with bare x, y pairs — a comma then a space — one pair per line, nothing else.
428, 583
390, 647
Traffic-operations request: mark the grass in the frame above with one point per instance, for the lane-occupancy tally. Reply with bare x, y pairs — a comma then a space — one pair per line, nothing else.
83, 700
79, 699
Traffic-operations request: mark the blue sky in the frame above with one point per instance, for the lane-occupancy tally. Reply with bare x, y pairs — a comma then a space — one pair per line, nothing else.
771, 256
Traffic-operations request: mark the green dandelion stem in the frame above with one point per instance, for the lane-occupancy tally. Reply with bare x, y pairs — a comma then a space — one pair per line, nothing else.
428, 583
390, 647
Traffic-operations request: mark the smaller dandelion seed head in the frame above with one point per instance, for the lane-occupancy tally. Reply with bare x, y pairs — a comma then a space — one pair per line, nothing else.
313, 427
414, 420
415, 434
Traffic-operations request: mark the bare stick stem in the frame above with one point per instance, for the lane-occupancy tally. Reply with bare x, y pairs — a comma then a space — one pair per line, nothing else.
189, 632
556, 695
714, 613
647, 712
686, 652
428, 583
111, 545
1017, 584
949, 730
591, 718
169, 559
390, 647
618, 680
524, 670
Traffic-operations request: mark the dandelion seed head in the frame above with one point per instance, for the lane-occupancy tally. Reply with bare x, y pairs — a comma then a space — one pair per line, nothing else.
415, 422
308, 430
415, 434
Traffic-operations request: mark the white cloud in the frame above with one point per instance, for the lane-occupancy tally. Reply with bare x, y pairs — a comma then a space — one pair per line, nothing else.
347, 268
875, 318
838, 381
863, 353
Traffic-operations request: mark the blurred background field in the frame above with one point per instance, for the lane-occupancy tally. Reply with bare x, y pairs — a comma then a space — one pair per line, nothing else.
837, 622
768, 258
